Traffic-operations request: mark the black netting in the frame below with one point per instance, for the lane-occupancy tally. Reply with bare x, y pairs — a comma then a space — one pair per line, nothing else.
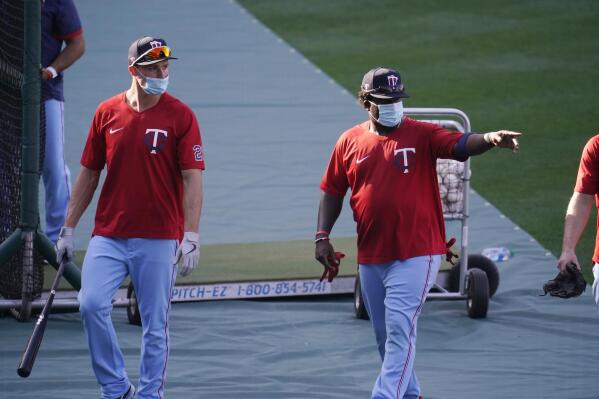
11, 114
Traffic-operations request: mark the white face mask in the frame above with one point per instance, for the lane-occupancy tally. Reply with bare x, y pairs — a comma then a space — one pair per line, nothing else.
389, 114
154, 86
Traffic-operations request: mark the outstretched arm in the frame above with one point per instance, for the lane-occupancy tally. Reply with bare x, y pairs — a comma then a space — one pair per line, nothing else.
577, 216
328, 212
479, 143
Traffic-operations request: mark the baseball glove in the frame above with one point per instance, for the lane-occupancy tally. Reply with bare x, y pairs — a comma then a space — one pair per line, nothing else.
567, 284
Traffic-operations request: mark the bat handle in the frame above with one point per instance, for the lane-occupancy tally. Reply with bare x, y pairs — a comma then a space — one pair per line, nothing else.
35, 340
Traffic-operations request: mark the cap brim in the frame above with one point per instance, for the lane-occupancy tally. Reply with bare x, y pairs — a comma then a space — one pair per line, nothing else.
384, 96
155, 61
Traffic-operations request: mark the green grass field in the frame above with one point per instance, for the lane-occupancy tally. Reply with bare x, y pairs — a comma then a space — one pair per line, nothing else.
530, 66
249, 262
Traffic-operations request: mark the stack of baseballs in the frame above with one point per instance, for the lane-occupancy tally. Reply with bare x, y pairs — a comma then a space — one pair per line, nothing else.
450, 174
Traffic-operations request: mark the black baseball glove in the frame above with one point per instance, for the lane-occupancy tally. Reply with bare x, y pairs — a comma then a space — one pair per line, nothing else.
567, 284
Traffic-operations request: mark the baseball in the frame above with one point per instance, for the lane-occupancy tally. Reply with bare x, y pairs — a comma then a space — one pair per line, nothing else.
441, 169
451, 181
453, 207
442, 191
454, 195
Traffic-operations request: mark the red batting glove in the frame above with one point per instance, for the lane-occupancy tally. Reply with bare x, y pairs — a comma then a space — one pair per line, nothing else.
331, 272
449, 254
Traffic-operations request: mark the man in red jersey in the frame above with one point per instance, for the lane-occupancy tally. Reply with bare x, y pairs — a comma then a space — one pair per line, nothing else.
389, 163
147, 218
586, 191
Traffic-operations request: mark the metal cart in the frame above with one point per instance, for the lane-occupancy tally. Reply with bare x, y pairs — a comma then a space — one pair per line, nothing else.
475, 278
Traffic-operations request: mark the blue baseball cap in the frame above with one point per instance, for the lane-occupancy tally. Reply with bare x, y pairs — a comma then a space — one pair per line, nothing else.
149, 50
384, 84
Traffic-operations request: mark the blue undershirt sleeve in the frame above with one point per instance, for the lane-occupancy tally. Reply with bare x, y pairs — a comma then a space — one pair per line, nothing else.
459, 149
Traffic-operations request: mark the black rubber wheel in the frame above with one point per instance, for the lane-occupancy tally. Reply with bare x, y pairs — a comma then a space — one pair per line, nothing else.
133, 310
480, 262
359, 306
477, 288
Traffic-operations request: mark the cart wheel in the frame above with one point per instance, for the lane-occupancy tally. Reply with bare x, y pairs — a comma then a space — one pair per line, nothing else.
132, 310
359, 307
477, 288
480, 262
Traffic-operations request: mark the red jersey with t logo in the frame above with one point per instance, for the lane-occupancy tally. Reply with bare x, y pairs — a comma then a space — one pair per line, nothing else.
394, 192
587, 181
144, 153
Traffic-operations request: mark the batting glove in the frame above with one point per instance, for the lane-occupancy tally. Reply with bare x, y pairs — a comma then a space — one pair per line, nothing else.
65, 244
331, 272
188, 253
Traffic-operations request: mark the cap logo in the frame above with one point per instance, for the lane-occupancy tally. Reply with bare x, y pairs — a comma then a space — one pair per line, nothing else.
155, 44
392, 80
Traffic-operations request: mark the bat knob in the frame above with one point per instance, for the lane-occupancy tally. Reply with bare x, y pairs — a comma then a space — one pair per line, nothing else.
23, 372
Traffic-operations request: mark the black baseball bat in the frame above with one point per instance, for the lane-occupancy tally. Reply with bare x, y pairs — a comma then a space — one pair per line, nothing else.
33, 345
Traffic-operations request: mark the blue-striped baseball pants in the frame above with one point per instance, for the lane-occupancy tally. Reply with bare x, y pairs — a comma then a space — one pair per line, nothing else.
394, 294
55, 173
107, 263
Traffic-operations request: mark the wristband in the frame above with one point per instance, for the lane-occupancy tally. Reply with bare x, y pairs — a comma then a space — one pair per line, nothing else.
323, 238
321, 235
52, 71
487, 140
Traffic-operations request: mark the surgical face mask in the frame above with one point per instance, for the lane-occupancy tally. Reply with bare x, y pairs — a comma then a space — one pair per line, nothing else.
389, 114
154, 86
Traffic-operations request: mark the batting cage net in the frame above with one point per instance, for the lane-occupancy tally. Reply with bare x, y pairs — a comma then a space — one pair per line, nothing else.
12, 52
